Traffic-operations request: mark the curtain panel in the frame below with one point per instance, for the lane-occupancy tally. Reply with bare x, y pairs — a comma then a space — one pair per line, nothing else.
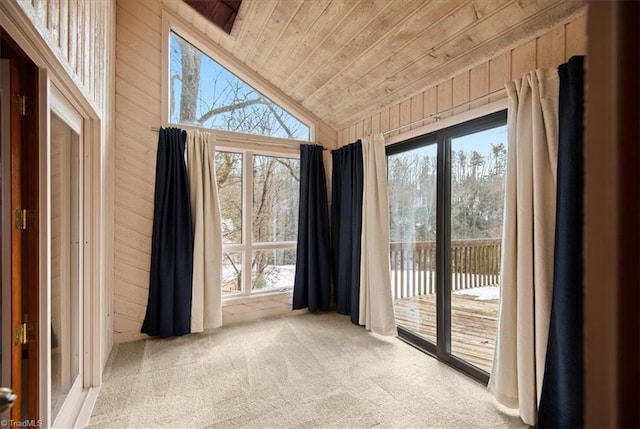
561, 402
206, 310
346, 227
376, 302
528, 242
312, 284
171, 273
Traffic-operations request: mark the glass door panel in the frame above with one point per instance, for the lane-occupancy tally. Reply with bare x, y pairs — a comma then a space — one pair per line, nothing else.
478, 162
65, 262
412, 178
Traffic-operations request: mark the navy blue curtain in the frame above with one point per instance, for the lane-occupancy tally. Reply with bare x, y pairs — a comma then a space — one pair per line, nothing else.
561, 402
346, 227
169, 305
312, 286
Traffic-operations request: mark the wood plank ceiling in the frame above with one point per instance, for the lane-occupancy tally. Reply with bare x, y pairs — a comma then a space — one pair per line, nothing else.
342, 59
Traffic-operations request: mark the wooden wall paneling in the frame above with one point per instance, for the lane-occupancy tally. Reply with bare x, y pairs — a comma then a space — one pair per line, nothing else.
429, 102
40, 8
147, 16
417, 111
53, 21
384, 121
550, 48
142, 64
137, 79
345, 136
132, 309
575, 37
405, 115
131, 283
82, 41
142, 46
461, 87
63, 36
394, 119
73, 36
375, 123
445, 98
499, 74
359, 130
352, 133
479, 84
523, 59
91, 78
366, 126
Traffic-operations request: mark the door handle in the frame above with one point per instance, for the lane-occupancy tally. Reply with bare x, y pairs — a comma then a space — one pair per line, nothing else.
7, 398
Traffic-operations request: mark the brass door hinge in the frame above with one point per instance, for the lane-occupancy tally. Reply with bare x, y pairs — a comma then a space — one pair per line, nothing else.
24, 333
23, 105
25, 219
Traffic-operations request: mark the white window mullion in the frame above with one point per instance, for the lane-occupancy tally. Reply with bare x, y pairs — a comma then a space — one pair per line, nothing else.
247, 223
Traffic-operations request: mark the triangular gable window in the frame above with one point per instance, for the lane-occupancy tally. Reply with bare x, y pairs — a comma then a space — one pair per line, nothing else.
205, 94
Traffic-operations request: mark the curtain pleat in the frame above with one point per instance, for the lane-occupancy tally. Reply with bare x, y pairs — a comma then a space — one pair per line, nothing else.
561, 402
376, 301
528, 243
206, 311
346, 227
169, 304
312, 284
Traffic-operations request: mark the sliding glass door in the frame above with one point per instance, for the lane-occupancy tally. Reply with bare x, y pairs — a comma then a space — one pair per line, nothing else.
446, 193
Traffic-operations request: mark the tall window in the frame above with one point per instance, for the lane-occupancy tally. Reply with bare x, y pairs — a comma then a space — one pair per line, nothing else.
205, 94
258, 187
259, 206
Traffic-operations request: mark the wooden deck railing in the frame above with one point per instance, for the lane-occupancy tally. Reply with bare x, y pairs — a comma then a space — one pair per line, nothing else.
474, 263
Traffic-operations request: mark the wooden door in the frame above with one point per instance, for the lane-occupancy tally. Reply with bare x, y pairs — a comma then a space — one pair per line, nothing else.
23, 215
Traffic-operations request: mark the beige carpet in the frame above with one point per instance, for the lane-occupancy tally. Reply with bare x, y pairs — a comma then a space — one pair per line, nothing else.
298, 371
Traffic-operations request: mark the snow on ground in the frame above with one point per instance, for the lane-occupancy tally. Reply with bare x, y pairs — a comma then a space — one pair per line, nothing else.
485, 293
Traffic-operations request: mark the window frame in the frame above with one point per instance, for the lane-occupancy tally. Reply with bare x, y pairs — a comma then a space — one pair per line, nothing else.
171, 23
246, 144
442, 137
247, 246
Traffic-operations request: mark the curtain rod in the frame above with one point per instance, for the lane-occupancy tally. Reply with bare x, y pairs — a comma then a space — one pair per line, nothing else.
259, 144
437, 115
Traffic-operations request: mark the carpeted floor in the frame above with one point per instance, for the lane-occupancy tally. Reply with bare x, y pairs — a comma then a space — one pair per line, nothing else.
298, 371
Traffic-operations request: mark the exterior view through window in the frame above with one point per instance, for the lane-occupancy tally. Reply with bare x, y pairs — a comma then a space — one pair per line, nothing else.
258, 190
205, 94
446, 197
259, 235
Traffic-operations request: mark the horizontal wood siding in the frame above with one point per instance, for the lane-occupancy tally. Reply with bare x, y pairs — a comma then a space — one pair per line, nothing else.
546, 51
138, 108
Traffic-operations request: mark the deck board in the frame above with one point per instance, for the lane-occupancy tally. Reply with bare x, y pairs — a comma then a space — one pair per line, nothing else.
473, 324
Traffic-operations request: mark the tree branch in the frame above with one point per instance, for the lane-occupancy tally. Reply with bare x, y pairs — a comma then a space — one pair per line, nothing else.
211, 113
280, 121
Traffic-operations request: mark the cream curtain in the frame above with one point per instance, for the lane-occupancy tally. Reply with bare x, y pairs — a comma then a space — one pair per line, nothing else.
206, 307
376, 305
528, 244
